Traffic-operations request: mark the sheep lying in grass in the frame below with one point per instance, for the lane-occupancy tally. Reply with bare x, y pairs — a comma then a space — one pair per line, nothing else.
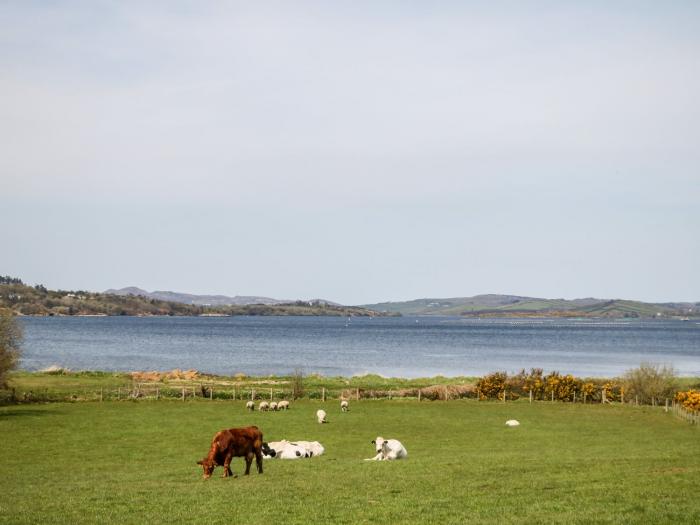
512, 423
264, 406
283, 405
388, 449
250, 405
273, 406
321, 416
344, 406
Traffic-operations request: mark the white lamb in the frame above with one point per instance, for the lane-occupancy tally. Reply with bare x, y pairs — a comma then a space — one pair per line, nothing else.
512, 423
283, 405
264, 406
321, 416
388, 449
273, 406
250, 405
344, 406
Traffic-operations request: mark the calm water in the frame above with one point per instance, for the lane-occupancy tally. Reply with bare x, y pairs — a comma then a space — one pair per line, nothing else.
406, 346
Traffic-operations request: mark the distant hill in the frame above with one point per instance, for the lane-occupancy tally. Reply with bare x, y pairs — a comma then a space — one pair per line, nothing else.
493, 305
201, 300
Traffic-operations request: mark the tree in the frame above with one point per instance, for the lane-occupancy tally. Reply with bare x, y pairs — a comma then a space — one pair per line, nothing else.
10, 341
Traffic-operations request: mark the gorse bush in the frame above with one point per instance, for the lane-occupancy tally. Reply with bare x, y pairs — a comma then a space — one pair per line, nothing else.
690, 399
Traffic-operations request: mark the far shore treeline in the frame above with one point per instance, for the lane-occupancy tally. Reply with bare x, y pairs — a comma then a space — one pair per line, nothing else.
37, 300
23, 299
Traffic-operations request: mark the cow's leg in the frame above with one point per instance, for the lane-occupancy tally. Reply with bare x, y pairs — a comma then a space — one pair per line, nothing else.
227, 466
259, 461
248, 462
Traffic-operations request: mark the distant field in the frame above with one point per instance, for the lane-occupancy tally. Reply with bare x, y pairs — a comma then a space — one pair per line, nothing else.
134, 462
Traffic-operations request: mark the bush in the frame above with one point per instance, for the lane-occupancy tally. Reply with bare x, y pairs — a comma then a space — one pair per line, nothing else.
297, 383
10, 341
650, 383
690, 399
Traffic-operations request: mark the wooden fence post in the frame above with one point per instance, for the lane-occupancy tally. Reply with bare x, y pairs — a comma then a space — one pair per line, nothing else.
504, 395
357, 393
270, 394
666, 409
531, 395
183, 393
194, 393
323, 394
211, 393
552, 396
119, 393
252, 394
419, 390
636, 400
574, 396
100, 395
584, 398
602, 396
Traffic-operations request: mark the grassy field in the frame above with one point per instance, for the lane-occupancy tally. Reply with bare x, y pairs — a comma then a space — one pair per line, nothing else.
134, 462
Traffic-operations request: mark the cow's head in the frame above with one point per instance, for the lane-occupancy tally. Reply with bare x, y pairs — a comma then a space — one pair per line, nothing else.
378, 444
207, 466
268, 451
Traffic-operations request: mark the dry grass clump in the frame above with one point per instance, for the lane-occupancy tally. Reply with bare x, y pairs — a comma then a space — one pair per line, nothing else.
176, 374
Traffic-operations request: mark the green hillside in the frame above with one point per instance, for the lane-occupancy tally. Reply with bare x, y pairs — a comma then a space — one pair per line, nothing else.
517, 306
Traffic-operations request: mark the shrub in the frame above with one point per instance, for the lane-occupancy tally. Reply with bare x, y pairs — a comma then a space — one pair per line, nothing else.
650, 383
689, 399
297, 383
10, 342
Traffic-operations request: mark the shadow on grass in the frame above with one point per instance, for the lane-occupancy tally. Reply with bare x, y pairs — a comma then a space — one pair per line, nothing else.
22, 412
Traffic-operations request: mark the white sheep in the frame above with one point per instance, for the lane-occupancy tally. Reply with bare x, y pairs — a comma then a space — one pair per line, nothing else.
250, 405
321, 416
344, 406
264, 406
283, 405
273, 406
512, 423
388, 449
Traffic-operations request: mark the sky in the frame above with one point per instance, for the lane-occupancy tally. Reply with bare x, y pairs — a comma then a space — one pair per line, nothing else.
353, 151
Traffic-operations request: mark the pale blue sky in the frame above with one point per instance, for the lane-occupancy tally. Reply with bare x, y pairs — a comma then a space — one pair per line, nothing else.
356, 151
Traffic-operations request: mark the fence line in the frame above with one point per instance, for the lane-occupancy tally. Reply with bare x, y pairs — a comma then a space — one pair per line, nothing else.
212, 391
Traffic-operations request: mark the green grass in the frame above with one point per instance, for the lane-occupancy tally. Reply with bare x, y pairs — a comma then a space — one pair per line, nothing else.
134, 462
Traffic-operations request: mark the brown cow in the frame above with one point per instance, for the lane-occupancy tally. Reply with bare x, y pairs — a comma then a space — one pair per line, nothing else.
234, 442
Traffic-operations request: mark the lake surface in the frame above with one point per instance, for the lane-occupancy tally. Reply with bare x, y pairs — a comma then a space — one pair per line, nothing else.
405, 347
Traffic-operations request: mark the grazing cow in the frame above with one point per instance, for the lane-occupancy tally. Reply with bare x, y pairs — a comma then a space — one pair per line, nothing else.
264, 406
388, 449
344, 406
250, 406
321, 416
283, 405
235, 442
